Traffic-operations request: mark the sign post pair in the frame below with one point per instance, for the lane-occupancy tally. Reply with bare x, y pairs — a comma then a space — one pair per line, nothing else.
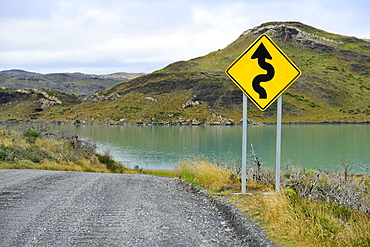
263, 72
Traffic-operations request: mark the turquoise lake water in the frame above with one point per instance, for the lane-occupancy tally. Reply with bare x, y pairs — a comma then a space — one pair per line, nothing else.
313, 146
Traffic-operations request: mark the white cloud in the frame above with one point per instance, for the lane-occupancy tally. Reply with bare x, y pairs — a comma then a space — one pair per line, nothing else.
89, 35
115, 34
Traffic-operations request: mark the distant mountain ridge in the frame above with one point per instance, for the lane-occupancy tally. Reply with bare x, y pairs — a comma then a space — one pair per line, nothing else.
17, 71
73, 83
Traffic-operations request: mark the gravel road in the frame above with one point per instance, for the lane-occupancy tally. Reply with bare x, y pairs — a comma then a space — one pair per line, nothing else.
48, 208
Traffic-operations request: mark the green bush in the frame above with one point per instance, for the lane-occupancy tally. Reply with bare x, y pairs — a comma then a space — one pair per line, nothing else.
31, 136
31, 133
3, 156
112, 165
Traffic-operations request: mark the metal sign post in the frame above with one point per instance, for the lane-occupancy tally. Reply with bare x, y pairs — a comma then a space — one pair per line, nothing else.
244, 145
278, 142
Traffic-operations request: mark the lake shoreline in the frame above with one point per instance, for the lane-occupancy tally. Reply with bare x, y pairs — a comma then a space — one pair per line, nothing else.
253, 123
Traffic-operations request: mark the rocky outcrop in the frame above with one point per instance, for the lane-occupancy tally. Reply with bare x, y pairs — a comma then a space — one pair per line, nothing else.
46, 103
97, 98
287, 33
195, 122
190, 103
151, 99
42, 99
251, 122
44, 94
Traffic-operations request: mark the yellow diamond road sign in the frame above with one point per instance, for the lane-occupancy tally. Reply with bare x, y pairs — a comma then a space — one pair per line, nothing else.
263, 72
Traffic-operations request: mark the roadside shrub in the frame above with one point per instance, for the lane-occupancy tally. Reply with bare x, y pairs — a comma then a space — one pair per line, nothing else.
111, 164
80, 148
31, 133
3, 156
7, 153
259, 173
31, 136
340, 188
138, 169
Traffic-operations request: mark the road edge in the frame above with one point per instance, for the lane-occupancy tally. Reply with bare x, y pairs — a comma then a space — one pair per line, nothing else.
246, 228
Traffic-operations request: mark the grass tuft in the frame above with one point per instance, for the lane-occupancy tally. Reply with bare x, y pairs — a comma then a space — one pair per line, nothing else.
201, 172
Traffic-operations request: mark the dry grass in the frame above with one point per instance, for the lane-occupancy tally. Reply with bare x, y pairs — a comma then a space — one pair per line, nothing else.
201, 172
291, 220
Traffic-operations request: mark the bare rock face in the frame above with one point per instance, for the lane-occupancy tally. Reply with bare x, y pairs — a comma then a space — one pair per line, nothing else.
43, 99
113, 96
288, 33
195, 122
97, 98
151, 99
45, 103
190, 103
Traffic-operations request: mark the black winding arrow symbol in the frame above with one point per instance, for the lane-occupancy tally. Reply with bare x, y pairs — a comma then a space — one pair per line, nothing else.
262, 54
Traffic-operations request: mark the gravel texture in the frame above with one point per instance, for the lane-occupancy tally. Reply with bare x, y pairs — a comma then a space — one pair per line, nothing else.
48, 208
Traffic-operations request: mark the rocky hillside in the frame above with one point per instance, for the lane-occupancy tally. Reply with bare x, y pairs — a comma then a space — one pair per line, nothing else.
334, 86
31, 104
73, 83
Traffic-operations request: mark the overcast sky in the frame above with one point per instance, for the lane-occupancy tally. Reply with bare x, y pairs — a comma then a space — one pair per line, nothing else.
107, 36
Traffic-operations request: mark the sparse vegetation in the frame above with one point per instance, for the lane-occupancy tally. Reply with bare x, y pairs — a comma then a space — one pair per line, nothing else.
37, 148
314, 209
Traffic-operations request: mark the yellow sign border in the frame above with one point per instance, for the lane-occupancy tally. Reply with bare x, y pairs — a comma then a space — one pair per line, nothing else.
281, 91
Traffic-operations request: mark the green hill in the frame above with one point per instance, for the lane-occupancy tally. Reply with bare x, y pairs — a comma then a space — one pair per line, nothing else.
334, 86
